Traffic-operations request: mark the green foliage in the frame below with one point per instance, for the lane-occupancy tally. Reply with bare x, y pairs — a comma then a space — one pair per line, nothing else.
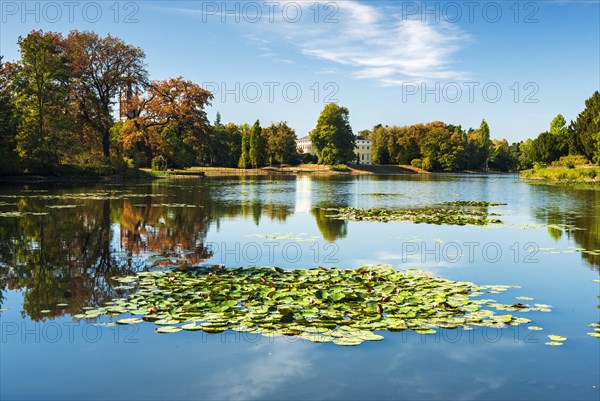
570, 161
381, 138
418, 163
546, 148
257, 147
338, 167
444, 148
587, 127
9, 120
501, 157
42, 85
427, 164
102, 68
281, 143
244, 161
479, 147
159, 163
566, 175
332, 137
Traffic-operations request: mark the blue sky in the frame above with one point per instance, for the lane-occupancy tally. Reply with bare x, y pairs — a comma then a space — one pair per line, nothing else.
516, 64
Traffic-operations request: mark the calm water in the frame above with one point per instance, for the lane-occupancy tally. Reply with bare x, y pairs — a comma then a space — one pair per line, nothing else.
67, 255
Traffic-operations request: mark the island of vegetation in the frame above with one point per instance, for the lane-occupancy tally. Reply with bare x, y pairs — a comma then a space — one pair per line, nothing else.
83, 104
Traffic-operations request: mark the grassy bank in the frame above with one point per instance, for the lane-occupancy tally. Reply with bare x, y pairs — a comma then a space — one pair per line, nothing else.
83, 174
563, 175
318, 169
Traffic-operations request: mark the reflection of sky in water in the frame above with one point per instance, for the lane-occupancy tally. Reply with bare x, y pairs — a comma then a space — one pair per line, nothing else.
231, 214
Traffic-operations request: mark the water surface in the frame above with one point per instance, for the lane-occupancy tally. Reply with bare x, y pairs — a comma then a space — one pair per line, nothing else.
59, 253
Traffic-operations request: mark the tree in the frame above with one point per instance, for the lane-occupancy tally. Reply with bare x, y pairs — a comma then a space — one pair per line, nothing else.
245, 152
41, 95
558, 128
281, 143
169, 120
234, 143
587, 126
545, 148
8, 118
442, 148
101, 70
380, 138
217, 154
332, 137
501, 158
479, 144
257, 146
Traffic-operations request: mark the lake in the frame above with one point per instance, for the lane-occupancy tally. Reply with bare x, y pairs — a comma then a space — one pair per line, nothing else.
61, 247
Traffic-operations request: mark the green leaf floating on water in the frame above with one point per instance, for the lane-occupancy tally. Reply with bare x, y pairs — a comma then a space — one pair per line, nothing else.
554, 337
429, 215
129, 321
343, 306
168, 329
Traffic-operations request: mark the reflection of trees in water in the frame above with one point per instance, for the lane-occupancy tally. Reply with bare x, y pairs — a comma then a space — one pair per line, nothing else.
332, 192
63, 257
581, 222
70, 255
331, 229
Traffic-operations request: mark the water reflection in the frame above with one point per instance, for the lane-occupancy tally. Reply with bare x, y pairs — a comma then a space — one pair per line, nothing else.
68, 255
572, 212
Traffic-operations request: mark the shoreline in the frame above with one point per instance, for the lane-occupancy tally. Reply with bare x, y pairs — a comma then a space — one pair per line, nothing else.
588, 176
146, 174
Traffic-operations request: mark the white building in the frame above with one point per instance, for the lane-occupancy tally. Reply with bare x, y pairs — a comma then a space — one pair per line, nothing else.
304, 145
362, 149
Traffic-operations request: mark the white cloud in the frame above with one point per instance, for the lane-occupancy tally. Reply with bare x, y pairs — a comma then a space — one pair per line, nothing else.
374, 44
368, 41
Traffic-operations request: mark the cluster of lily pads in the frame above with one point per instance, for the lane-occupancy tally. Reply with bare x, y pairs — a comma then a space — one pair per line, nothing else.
429, 215
472, 203
343, 306
596, 332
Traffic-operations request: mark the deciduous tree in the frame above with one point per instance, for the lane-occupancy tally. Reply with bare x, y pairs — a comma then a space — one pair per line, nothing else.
102, 68
332, 137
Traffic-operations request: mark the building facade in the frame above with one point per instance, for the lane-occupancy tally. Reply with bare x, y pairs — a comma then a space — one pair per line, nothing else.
362, 149
304, 145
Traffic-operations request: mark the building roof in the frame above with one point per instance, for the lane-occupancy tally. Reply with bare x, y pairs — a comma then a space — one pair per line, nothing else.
304, 138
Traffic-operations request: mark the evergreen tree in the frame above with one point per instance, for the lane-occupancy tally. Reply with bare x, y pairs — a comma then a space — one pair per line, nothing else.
587, 126
257, 146
245, 152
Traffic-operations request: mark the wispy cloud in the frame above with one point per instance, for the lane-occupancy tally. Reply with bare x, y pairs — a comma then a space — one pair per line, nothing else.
368, 41
378, 46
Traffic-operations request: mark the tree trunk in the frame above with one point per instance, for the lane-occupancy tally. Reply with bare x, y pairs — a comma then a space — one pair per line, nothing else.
106, 144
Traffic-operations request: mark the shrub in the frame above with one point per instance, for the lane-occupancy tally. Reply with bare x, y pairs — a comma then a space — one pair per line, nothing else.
339, 167
591, 173
427, 164
570, 161
159, 163
539, 165
418, 163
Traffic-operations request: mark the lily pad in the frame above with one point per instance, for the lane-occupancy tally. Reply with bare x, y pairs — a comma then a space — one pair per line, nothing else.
131, 320
344, 306
554, 337
168, 329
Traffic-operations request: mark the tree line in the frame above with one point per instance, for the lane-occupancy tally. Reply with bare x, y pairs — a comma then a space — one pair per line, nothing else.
437, 146
58, 104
